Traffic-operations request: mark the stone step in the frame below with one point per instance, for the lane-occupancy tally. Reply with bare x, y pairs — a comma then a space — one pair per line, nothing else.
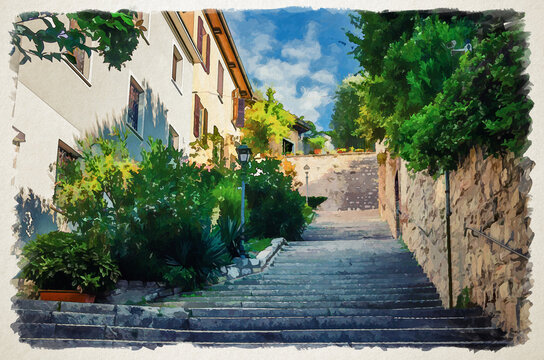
325, 289
99, 332
428, 292
288, 259
423, 345
331, 335
348, 335
361, 282
384, 345
361, 278
286, 312
93, 343
312, 263
333, 322
155, 318
238, 296
303, 272
189, 303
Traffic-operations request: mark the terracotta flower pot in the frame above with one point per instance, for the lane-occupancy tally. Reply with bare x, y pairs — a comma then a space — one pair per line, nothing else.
317, 151
66, 295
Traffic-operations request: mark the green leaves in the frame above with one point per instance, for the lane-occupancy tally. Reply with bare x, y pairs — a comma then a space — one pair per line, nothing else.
115, 34
265, 121
345, 111
65, 261
434, 104
483, 104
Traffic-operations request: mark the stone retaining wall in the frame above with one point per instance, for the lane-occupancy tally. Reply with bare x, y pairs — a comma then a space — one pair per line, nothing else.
349, 181
487, 194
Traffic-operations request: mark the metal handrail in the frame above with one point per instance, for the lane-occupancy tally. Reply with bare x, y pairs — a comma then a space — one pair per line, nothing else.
495, 241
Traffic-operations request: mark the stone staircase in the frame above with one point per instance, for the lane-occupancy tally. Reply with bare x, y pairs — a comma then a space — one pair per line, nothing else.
346, 284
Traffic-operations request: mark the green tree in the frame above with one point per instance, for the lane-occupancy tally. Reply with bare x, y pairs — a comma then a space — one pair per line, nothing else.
483, 103
434, 103
266, 120
369, 125
116, 36
412, 67
345, 111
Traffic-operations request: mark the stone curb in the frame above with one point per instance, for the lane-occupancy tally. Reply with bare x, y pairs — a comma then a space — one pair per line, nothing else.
242, 267
152, 291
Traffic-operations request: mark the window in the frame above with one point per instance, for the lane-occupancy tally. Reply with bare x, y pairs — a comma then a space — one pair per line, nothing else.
287, 147
220, 73
177, 68
173, 138
65, 154
203, 45
238, 109
200, 124
135, 107
82, 60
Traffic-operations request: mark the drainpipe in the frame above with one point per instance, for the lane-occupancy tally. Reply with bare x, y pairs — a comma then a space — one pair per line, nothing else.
448, 237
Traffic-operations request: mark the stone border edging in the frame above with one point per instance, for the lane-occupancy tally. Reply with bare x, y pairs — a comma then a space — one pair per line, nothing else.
242, 267
152, 291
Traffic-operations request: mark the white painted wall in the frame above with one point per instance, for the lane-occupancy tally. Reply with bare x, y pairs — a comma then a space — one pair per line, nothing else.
53, 103
88, 108
219, 110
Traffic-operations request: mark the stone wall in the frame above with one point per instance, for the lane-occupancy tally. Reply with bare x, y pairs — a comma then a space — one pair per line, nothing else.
350, 181
486, 194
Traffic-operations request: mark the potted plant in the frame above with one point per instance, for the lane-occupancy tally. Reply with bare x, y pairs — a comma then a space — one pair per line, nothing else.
66, 268
317, 143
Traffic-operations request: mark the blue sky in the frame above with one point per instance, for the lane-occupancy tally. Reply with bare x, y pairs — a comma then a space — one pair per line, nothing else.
300, 52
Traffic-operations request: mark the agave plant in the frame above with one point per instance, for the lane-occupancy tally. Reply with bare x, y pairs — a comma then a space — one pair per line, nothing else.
231, 234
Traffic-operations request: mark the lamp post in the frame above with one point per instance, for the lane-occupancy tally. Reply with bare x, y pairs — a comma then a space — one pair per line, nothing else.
306, 168
244, 154
467, 47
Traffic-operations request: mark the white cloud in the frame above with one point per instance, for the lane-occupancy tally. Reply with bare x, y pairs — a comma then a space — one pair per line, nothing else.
325, 77
285, 73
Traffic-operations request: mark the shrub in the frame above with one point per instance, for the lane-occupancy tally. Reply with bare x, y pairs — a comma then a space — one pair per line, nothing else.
315, 201
231, 234
276, 209
317, 142
227, 195
169, 203
64, 261
483, 103
199, 254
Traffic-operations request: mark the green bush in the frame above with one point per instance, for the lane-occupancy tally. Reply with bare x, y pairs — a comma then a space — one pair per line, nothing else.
484, 103
156, 214
276, 209
315, 201
317, 142
231, 234
64, 261
201, 255
227, 195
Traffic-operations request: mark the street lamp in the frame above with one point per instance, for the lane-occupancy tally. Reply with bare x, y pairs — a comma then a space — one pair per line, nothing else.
306, 168
467, 47
244, 154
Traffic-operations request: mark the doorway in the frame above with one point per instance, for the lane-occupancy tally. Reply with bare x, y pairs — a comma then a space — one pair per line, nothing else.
397, 207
